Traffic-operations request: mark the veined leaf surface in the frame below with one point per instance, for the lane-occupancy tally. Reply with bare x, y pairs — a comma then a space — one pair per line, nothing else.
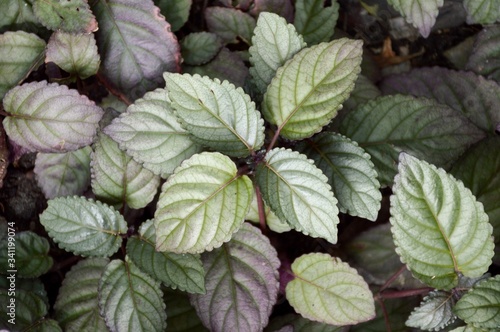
241, 281
298, 192
218, 115
18, 14
175, 11
482, 11
70, 16
421, 13
50, 118
230, 23
30, 309
486, 50
200, 47
439, 228
181, 316
314, 21
310, 88
202, 204
434, 313
327, 290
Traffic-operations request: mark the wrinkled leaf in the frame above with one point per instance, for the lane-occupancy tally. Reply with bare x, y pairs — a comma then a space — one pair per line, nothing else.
181, 316
83, 226
350, 173
72, 16
482, 11
199, 48
274, 42
327, 290
434, 313
202, 204
230, 23
117, 179
298, 192
76, 307
175, 11
439, 228
183, 271
50, 118
485, 53
20, 54
420, 13
129, 300
241, 283
426, 129
217, 115
309, 89
74, 53
315, 22
28, 309
136, 46
63, 174
477, 98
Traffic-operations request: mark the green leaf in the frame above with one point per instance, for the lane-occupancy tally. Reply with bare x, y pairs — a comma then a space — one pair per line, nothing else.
136, 46
486, 50
434, 313
151, 134
50, 117
272, 221
83, 226
183, 271
298, 323
350, 173
327, 290
31, 255
314, 21
200, 47
274, 42
480, 306
63, 174
18, 15
28, 309
470, 328
298, 192
74, 53
218, 115
420, 13
230, 23
129, 300
423, 127
202, 204
175, 11
310, 88
72, 16
181, 316
76, 307
482, 11
439, 228
20, 54
364, 91
241, 282
117, 179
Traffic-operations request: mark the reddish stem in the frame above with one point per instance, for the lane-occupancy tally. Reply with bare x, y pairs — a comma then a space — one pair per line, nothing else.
261, 208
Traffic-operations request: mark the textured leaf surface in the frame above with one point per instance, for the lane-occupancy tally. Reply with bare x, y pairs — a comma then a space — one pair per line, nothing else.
297, 323
29, 308
434, 313
315, 22
426, 129
117, 179
83, 226
200, 47
350, 173
72, 16
150, 133
272, 221
175, 11
136, 46
75, 53
481, 305
183, 271
485, 53
18, 14
327, 290
274, 42
309, 89
20, 53
202, 204
31, 255
49, 118
476, 97
181, 316
241, 283
230, 23
420, 13
218, 115
439, 228
298, 192
63, 174
482, 11
129, 300
76, 307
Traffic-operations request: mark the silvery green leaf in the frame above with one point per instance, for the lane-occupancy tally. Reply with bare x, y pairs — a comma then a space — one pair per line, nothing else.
230, 23
199, 48
272, 221
69, 16
434, 313
482, 11
314, 21
29, 309
18, 14
420, 13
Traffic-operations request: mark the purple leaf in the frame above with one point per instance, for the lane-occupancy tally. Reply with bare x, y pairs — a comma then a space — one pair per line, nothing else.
136, 46
241, 283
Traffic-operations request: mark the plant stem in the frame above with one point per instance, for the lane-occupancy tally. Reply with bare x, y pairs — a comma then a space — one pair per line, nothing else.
273, 141
396, 294
386, 315
392, 278
261, 208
